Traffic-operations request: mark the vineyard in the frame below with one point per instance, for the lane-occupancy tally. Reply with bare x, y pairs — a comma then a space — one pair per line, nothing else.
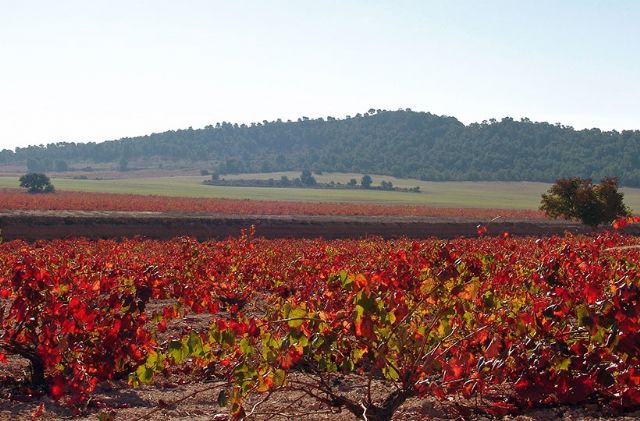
14, 199
488, 326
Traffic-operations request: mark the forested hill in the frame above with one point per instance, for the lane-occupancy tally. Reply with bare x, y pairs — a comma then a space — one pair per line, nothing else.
398, 143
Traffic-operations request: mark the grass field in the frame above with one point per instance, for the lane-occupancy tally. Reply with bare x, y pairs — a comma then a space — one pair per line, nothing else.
507, 195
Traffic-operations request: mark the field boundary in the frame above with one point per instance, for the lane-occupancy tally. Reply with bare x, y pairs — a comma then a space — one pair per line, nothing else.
45, 225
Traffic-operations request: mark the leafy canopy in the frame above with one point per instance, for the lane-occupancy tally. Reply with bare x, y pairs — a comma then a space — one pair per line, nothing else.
579, 199
36, 183
307, 179
366, 181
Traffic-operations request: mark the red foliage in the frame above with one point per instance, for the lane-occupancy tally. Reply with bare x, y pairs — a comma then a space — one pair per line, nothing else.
624, 221
12, 199
557, 318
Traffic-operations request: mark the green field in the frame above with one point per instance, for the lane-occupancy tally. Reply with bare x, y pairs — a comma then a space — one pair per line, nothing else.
509, 195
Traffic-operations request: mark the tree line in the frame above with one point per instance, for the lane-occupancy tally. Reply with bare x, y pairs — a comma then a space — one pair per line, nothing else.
399, 143
307, 180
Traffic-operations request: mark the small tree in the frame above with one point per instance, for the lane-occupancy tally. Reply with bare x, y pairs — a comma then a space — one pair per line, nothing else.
307, 179
36, 183
366, 181
579, 199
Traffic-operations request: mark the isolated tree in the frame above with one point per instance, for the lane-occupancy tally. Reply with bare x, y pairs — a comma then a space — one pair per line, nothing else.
366, 181
579, 199
307, 179
352, 183
36, 183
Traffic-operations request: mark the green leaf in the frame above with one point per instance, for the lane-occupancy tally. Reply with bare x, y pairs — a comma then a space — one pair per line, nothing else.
236, 408
317, 341
215, 336
390, 373
359, 312
489, 299
345, 279
223, 398
228, 337
347, 366
367, 302
195, 345
584, 318
279, 377
245, 347
177, 351
468, 317
144, 374
285, 309
391, 318
245, 371
152, 359
599, 335
564, 364
443, 328
296, 313
358, 353
247, 386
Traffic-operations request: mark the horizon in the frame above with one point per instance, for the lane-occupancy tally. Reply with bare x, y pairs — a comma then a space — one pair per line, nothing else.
91, 72
324, 118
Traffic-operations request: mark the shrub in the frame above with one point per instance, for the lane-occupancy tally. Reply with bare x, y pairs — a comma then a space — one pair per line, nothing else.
36, 183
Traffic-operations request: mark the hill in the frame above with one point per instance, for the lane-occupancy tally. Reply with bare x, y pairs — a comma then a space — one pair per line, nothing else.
400, 143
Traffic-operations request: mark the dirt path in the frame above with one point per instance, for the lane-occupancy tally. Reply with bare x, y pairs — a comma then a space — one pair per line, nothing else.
38, 225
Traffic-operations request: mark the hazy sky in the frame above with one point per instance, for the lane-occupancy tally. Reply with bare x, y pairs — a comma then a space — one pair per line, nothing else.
96, 70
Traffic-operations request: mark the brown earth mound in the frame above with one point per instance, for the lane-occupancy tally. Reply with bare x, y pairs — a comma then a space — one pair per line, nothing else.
38, 225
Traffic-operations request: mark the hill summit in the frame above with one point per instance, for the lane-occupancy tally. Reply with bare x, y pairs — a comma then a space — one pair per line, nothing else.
401, 143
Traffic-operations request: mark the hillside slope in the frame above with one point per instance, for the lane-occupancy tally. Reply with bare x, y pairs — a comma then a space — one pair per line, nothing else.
400, 143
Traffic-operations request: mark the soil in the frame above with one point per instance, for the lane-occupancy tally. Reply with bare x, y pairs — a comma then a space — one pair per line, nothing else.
166, 401
42, 225
185, 396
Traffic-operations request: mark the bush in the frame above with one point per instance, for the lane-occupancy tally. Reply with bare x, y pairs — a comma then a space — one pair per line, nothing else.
36, 183
307, 179
579, 199
366, 181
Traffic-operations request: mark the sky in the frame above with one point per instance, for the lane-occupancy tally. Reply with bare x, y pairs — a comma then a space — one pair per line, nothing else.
91, 70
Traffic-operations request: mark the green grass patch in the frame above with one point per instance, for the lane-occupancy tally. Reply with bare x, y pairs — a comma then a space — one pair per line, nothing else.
508, 195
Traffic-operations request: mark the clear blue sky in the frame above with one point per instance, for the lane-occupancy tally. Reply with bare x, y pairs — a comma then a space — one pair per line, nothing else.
91, 70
